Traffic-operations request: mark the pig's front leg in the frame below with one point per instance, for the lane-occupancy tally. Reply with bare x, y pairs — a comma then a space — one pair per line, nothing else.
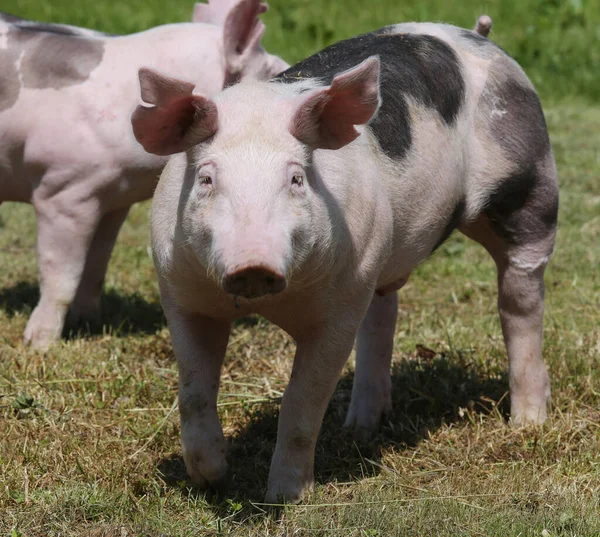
65, 232
200, 344
319, 360
87, 299
372, 388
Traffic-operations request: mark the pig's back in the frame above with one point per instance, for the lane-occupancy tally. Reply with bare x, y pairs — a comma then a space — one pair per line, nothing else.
453, 71
459, 121
66, 99
486, 107
48, 27
420, 67
510, 174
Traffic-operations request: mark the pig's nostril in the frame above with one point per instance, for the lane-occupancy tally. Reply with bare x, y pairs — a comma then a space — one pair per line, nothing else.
254, 282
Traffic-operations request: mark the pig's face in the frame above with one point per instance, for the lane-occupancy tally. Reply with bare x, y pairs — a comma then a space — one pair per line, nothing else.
249, 215
253, 208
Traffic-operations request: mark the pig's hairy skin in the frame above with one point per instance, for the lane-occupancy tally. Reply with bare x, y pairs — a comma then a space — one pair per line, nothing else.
71, 153
374, 221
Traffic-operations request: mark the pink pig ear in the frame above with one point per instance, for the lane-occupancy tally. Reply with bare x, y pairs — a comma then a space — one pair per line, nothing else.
216, 11
202, 13
177, 120
326, 118
242, 32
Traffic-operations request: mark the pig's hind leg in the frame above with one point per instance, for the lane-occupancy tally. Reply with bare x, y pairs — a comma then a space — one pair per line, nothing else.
372, 387
87, 299
517, 227
65, 231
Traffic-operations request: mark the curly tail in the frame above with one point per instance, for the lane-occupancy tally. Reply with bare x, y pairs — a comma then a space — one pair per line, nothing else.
483, 26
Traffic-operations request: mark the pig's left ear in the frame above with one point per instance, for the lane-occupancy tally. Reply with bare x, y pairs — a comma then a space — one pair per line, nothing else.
326, 118
177, 120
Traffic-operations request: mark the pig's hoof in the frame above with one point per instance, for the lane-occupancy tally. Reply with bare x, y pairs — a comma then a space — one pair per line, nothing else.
40, 337
530, 406
291, 493
365, 414
529, 415
216, 479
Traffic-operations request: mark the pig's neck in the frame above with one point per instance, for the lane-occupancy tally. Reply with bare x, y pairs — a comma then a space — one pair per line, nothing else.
354, 212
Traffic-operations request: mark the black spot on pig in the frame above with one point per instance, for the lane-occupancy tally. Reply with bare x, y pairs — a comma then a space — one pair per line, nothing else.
48, 60
47, 27
59, 61
55, 61
7, 17
420, 66
60, 29
517, 121
475, 38
485, 45
9, 80
524, 207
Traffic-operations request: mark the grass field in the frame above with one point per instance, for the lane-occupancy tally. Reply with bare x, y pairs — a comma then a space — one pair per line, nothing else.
89, 433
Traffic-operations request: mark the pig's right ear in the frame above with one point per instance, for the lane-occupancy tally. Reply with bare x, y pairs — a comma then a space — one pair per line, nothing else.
325, 119
242, 31
177, 120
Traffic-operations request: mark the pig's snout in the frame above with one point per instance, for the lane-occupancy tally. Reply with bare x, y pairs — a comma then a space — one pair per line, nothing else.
254, 282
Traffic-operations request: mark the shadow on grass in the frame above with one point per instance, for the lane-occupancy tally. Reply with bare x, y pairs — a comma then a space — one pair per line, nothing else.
120, 314
426, 394
20, 298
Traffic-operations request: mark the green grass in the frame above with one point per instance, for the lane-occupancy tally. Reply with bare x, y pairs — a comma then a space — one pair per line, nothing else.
89, 436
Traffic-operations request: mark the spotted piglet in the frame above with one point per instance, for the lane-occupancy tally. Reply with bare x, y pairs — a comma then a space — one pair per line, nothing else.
309, 199
66, 95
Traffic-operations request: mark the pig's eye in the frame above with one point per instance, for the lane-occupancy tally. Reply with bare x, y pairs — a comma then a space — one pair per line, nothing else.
205, 180
297, 179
